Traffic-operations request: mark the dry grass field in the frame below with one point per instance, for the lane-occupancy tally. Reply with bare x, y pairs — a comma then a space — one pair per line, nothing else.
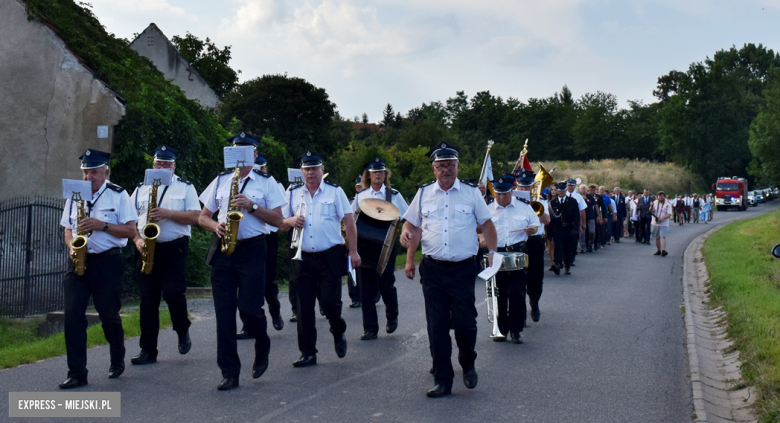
630, 174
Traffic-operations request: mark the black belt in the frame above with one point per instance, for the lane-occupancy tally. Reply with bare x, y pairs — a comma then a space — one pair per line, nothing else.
110, 252
519, 247
181, 239
247, 241
321, 253
448, 263
536, 237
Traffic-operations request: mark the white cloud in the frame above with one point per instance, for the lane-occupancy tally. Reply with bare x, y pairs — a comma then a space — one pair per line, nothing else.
159, 8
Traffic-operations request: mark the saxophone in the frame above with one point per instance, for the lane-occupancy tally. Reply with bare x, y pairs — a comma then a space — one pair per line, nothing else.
233, 217
150, 231
79, 242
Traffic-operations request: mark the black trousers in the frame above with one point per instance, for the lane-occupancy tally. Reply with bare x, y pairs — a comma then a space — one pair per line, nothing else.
271, 287
318, 273
238, 281
448, 288
102, 280
369, 282
535, 250
644, 225
511, 300
565, 243
169, 279
354, 290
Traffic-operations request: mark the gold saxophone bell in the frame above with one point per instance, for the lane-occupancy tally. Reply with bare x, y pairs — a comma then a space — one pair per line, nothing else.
234, 215
150, 232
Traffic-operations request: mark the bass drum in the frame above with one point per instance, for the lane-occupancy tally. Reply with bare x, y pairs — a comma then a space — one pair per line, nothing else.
376, 219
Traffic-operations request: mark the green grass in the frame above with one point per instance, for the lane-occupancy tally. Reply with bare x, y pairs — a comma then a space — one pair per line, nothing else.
400, 259
745, 280
20, 345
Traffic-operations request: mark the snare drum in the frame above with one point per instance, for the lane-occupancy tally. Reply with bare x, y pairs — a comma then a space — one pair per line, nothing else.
512, 261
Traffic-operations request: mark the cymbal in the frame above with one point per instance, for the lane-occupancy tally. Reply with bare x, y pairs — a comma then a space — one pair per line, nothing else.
379, 209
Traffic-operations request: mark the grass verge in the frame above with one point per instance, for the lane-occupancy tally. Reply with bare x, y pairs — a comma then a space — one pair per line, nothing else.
400, 259
745, 280
20, 345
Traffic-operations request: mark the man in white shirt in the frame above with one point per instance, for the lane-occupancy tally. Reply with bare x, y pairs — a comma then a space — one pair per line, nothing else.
445, 215
661, 212
515, 221
238, 278
323, 254
177, 210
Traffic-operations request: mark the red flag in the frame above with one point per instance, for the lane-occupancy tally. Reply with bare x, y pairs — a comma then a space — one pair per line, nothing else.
525, 165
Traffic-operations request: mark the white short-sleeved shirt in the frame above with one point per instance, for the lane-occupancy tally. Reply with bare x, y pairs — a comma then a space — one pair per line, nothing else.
516, 215
397, 199
179, 196
448, 220
660, 210
261, 188
580, 201
324, 212
110, 204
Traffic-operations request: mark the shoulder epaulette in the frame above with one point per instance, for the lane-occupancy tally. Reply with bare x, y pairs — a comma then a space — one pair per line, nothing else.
331, 184
295, 186
489, 200
140, 184
186, 182
468, 183
523, 200
263, 174
114, 187
225, 172
394, 191
429, 183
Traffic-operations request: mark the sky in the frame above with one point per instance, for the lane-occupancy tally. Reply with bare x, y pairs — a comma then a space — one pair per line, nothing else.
368, 53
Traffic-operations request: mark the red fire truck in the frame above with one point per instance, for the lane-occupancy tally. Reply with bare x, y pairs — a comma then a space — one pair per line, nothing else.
731, 193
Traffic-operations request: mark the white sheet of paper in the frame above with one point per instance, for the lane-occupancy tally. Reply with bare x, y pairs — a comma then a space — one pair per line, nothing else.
492, 270
351, 270
241, 153
522, 194
69, 186
164, 175
294, 176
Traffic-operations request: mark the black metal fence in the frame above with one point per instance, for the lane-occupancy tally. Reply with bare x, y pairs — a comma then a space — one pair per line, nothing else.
33, 256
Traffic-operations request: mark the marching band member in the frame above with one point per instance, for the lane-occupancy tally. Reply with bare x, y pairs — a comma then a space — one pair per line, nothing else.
534, 248
238, 280
445, 214
353, 289
581, 223
271, 293
110, 221
324, 255
177, 209
514, 220
377, 179
565, 219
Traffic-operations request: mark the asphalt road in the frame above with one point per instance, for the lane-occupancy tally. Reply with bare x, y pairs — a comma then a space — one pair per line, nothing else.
609, 348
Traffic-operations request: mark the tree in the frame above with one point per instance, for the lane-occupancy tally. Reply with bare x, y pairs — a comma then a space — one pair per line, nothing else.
764, 139
292, 110
596, 132
210, 62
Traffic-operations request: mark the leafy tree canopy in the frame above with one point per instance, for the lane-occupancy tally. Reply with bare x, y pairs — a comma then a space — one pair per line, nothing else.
210, 62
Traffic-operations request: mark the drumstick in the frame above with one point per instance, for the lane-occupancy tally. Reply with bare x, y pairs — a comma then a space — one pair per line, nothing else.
518, 230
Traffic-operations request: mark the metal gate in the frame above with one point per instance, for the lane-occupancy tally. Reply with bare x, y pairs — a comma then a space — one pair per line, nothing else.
33, 256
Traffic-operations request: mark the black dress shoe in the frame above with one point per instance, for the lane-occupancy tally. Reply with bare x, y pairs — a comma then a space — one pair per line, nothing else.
355, 304
567, 271
367, 336
657, 253
278, 322
515, 338
556, 270
552, 268
535, 315
340, 343
73, 382
228, 383
143, 358
470, 378
664, 253
244, 334
116, 371
294, 318
185, 343
392, 325
260, 366
438, 391
305, 360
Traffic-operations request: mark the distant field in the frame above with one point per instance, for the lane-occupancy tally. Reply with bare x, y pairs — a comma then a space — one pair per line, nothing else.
630, 174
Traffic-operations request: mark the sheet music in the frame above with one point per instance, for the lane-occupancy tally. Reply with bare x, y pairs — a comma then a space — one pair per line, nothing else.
492, 270
69, 186
295, 176
164, 175
351, 270
242, 153
521, 194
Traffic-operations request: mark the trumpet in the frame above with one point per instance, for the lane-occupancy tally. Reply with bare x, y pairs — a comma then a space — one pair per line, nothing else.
79, 242
234, 215
150, 231
296, 242
491, 300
